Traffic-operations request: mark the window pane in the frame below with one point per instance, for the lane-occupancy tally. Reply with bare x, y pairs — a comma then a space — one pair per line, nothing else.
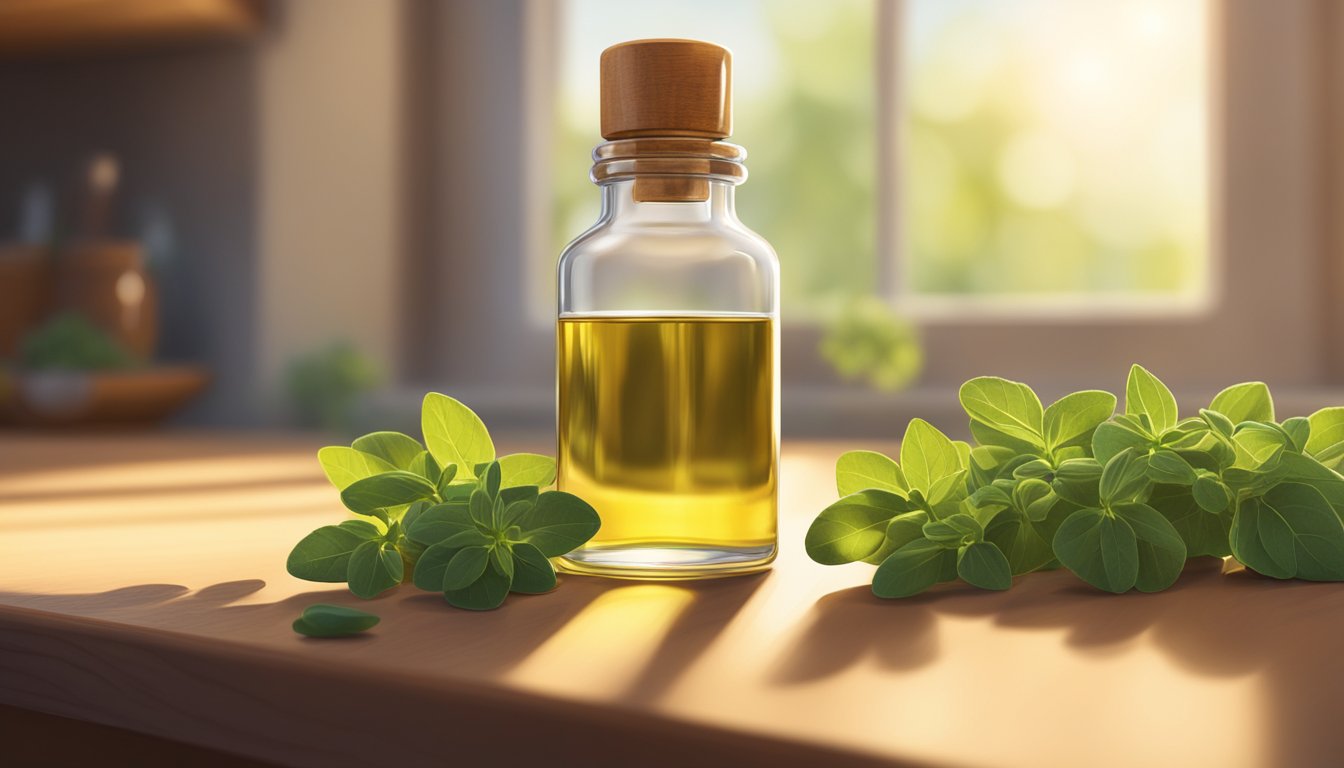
1054, 148
804, 107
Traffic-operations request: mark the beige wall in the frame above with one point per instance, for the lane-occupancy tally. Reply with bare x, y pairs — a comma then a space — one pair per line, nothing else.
329, 189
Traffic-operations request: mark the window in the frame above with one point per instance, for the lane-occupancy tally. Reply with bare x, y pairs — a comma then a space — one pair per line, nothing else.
1054, 149
1044, 149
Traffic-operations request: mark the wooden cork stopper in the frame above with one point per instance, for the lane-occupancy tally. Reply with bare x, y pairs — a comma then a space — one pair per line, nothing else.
667, 88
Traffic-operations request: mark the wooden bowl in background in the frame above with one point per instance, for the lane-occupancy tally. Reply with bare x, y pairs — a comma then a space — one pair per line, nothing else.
78, 399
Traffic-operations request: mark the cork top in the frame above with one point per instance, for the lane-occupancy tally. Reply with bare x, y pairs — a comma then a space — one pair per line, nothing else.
667, 88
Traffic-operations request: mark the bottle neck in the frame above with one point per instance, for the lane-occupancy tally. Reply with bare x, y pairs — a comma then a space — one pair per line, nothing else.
624, 202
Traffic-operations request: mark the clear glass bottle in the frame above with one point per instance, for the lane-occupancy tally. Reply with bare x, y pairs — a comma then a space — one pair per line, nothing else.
667, 335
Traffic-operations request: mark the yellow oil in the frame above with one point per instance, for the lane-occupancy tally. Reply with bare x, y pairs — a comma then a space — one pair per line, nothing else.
667, 426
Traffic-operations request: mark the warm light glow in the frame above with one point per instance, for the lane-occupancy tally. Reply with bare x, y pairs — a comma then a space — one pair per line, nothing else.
160, 474
603, 649
1056, 148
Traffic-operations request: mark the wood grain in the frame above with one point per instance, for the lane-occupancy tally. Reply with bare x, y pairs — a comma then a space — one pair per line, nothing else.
667, 88
142, 586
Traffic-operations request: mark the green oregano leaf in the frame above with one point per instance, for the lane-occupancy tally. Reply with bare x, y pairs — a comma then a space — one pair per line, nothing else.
1114, 437
901, 530
432, 565
324, 554
987, 435
857, 471
1025, 543
526, 493
1161, 551
982, 565
444, 483
494, 477
439, 522
484, 594
454, 434
1007, 407
1100, 549
558, 523
1211, 494
986, 462
374, 568
1245, 402
913, 568
501, 558
1072, 419
532, 570
1204, 533
954, 528
1258, 445
520, 469
393, 447
927, 455
1326, 441
1298, 430
1218, 422
322, 620
344, 466
1166, 466
465, 567
1124, 478
388, 489
1036, 468
482, 509
1076, 480
1290, 532
853, 527
425, 466
1146, 395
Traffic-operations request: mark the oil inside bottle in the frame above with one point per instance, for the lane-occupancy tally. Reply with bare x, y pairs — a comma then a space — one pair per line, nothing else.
667, 427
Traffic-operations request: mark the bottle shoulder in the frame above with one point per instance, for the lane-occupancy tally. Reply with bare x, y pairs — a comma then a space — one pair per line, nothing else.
609, 240
697, 268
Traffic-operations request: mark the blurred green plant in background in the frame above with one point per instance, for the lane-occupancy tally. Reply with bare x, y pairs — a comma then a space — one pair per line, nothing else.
324, 386
871, 343
69, 342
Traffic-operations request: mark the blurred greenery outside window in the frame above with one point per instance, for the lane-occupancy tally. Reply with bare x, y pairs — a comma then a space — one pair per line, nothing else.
1043, 152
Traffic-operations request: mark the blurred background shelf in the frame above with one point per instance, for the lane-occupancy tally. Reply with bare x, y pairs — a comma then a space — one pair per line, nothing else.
46, 26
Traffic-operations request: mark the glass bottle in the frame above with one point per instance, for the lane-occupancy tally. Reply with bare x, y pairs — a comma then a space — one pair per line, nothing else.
667, 332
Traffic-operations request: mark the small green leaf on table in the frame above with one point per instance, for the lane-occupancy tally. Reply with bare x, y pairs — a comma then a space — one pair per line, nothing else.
323, 620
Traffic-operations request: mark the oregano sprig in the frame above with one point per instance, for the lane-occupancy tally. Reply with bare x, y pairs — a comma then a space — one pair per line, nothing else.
1120, 499
445, 514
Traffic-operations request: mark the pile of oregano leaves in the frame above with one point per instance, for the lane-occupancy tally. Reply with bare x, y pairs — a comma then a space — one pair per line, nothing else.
1121, 500
446, 514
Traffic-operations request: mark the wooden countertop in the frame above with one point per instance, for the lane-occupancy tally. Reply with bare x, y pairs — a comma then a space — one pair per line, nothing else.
142, 585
